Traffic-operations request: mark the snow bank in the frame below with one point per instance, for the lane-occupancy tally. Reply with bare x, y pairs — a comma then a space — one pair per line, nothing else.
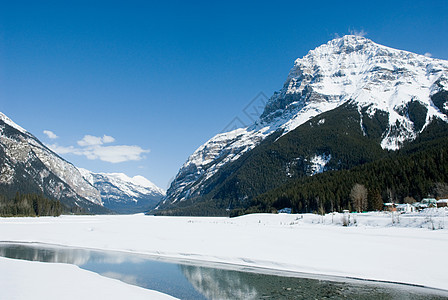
372, 248
34, 280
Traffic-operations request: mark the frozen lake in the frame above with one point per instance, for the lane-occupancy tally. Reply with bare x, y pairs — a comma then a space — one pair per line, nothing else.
196, 280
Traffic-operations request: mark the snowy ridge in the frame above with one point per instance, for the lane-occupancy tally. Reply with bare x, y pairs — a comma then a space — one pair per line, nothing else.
131, 186
23, 149
68, 173
8, 121
207, 159
25, 153
350, 69
124, 194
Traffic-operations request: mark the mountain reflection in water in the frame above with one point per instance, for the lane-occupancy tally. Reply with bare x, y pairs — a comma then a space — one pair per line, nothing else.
227, 284
220, 284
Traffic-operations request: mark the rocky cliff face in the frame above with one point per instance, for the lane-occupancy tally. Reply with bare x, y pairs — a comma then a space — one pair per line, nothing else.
29, 166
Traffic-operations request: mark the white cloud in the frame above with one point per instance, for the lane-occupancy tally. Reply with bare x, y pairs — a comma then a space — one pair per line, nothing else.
50, 134
90, 140
356, 32
92, 147
427, 54
108, 139
115, 154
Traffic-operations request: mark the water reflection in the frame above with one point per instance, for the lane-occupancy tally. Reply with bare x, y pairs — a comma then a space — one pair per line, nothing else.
193, 281
66, 255
228, 284
219, 284
135, 269
130, 279
53, 255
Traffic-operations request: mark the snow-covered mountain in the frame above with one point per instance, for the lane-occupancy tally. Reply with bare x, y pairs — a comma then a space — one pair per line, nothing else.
378, 80
124, 194
29, 166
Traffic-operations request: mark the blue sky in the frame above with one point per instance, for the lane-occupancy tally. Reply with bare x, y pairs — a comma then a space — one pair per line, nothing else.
137, 86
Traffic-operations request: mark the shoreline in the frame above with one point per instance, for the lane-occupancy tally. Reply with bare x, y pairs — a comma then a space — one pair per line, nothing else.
238, 243
254, 268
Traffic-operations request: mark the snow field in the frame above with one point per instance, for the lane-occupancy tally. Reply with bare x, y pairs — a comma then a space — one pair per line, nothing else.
373, 248
20, 280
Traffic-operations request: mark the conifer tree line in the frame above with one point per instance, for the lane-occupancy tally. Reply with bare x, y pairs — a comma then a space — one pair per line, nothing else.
403, 177
361, 176
31, 205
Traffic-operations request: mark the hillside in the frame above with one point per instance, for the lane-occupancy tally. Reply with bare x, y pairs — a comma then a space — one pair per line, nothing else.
29, 167
346, 103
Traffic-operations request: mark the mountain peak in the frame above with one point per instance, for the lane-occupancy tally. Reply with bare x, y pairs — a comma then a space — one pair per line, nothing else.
351, 70
350, 41
346, 44
137, 180
11, 123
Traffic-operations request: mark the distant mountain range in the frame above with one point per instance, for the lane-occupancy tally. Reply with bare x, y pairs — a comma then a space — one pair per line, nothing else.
124, 194
345, 104
28, 166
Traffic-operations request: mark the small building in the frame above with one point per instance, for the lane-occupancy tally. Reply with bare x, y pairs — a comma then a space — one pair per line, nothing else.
405, 208
419, 206
442, 203
430, 202
286, 210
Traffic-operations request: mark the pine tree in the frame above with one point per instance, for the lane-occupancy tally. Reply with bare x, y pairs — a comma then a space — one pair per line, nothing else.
375, 202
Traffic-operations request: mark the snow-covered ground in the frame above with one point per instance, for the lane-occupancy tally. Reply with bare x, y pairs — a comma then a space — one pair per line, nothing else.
34, 280
375, 246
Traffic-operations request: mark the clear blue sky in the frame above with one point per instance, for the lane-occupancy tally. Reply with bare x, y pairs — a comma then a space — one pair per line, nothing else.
167, 76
